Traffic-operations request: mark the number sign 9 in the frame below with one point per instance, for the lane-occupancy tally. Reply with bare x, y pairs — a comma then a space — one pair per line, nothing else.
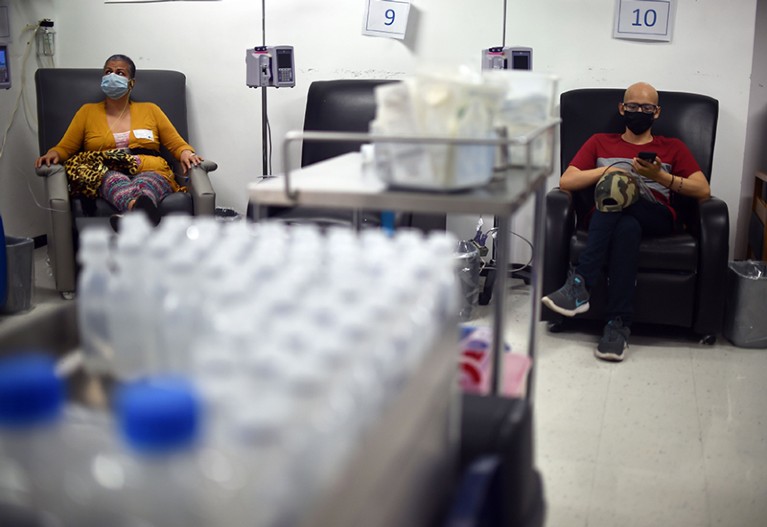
644, 19
386, 18
390, 15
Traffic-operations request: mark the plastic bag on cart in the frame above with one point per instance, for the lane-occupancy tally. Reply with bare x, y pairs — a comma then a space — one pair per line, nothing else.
436, 104
467, 264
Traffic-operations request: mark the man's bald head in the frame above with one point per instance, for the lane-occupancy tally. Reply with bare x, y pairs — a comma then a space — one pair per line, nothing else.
641, 92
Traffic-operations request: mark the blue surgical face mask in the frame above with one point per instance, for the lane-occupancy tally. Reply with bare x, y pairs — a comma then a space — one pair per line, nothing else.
114, 86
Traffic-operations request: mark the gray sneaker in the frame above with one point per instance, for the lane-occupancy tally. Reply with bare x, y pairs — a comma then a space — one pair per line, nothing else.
570, 299
614, 341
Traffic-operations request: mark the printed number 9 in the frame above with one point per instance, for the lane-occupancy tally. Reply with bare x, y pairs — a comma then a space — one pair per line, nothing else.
389, 14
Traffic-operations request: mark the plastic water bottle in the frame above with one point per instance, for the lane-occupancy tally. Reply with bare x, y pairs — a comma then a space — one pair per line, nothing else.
94, 302
31, 457
164, 241
178, 313
130, 321
159, 421
142, 464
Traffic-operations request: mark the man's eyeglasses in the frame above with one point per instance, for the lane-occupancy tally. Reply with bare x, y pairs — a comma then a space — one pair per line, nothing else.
634, 107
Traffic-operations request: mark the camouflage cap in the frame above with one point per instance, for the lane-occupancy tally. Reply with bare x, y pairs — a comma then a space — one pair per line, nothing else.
615, 191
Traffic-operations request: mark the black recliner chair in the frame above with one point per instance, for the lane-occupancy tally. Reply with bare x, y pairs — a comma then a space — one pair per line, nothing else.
682, 277
60, 93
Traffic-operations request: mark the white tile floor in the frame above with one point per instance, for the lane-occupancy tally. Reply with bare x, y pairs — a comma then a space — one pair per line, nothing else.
675, 435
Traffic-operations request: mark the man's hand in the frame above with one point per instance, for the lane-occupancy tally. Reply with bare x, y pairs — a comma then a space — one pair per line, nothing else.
648, 169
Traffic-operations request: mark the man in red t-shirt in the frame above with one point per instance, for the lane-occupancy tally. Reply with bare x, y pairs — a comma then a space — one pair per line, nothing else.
614, 237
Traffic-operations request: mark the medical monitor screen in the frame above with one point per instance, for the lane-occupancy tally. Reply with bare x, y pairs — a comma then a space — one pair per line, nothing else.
520, 61
284, 59
5, 69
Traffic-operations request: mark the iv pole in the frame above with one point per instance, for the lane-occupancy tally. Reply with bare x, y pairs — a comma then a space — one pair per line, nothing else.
264, 128
522, 273
504, 24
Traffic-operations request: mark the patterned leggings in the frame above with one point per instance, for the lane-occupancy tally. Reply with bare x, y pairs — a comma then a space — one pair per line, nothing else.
119, 190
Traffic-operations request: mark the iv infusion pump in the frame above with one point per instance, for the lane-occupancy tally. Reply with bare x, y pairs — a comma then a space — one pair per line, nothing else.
507, 58
270, 66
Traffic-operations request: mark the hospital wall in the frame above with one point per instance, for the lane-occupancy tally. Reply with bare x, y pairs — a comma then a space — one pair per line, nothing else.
712, 52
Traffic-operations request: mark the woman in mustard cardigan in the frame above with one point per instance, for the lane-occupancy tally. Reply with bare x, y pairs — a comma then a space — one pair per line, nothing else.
119, 126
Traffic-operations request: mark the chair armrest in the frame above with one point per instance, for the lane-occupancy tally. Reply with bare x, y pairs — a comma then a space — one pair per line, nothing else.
713, 252
56, 184
61, 249
559, 228
203, 195
47, 170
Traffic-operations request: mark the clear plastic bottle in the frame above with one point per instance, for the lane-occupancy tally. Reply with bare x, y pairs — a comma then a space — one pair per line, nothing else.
131, 320
31, 457
262, 441
160, 484
165, 240
94, 300
179, 313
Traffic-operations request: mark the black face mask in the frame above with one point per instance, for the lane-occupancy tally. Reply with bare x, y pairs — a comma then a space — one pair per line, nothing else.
638, 122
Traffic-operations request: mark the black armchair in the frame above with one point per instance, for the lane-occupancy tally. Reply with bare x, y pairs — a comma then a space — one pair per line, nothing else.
60, 93
345, 105
682, 277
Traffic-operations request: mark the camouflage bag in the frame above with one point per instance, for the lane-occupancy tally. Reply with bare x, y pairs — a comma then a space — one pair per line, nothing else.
615, 191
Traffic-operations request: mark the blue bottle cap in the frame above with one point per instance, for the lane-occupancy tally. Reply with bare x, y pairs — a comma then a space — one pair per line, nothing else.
30, 391
158, 415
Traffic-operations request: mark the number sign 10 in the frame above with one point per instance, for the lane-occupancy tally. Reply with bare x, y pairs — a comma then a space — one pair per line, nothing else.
644, 19
649, 19
386, 18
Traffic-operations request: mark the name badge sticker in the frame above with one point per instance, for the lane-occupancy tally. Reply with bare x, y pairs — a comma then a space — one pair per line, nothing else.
144, 134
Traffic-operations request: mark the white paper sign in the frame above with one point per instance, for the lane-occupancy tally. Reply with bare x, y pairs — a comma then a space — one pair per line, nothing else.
386, 18
644, 19
150, 1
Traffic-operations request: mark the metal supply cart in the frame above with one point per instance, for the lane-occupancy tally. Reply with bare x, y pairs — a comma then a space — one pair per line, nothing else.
341, 182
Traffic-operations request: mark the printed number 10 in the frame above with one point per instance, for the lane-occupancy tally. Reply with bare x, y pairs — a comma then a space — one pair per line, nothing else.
650, 17
389, 14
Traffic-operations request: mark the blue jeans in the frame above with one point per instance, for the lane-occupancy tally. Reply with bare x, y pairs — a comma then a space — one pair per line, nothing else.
614, 238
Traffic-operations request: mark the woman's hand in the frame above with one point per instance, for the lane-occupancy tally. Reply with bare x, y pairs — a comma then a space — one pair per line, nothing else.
51, 157
189, 159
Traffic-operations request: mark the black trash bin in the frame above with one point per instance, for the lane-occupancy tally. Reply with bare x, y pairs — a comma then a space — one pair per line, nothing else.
20, 274
745, 323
